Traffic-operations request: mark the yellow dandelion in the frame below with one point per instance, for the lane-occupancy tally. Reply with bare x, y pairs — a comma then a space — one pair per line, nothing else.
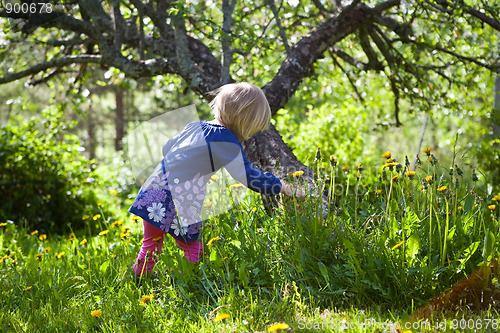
34, 232
495, 198
96, 313
156, 239
103, 233
135, 218
146, 299
39, 256
390, 165
221, 316
47, 249
214, 177
492, 207
112, 191
386, 155
278, 326
3, 224
298, 173
427, 151
410, 174
211, 241
84, 241
96, 216
85, 217
428, 178
124, 235
207, 204
60, 255
125, 229
71, 238
398, 245
395, 178
345, 167
42, 237
254, 209
10, 255
460, 209
28, 288
116, 223
3, 259
378, 192
442, 188
99, 204
237, 185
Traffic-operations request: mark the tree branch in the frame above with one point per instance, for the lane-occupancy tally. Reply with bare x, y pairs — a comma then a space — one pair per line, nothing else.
280, 27
383, 6
59, 62
94, 9
495, 24
372, 56
181, 43
404, 31
353, 85
300, 61
119, 24
227, 52
494, 68
349, 59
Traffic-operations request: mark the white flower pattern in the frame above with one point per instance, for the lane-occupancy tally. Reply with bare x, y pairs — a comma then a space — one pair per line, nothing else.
156, 211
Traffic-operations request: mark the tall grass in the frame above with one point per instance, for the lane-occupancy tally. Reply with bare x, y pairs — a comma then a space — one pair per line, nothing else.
392, 241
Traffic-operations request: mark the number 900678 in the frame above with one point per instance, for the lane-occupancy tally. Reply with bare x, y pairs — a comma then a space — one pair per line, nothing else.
12, 7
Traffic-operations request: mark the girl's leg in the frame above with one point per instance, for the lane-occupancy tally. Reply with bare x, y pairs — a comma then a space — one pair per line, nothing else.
151, 247
192, 250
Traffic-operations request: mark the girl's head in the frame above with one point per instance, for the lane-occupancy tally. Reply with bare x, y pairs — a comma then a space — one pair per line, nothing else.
241, 107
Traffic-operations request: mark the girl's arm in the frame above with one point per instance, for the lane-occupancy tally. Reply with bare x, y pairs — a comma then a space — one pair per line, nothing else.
231, 156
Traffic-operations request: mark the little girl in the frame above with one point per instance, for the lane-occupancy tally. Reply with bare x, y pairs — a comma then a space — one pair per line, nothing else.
171, 199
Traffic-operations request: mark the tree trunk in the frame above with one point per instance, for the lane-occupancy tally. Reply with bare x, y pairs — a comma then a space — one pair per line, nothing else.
496, 111
91, 144
264, 150
119, 119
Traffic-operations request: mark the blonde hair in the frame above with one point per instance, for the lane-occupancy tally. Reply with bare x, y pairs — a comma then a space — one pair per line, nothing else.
241, 107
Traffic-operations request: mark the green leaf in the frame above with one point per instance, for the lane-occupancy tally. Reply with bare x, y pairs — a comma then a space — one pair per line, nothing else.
104, 267
469, 251
213, 256
489, 244
243, 273
324, 272
413, 245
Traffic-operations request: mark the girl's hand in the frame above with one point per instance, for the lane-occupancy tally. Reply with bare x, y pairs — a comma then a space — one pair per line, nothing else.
290, 191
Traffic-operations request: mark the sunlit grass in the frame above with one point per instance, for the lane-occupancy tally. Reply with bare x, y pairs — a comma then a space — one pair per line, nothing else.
394, 238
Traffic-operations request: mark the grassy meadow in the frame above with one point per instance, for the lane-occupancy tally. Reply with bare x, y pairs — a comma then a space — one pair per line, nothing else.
399, 251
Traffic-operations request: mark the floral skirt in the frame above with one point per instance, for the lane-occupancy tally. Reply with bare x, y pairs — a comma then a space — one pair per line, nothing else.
155, 206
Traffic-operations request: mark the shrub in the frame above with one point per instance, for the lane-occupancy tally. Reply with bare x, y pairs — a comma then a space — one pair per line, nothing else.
44, 180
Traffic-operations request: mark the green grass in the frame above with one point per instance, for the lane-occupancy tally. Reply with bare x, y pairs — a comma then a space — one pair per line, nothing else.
385, 250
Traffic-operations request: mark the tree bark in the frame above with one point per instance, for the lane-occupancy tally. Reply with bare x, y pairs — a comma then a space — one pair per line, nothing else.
91, 143
268, 147
496, 112
119, 119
